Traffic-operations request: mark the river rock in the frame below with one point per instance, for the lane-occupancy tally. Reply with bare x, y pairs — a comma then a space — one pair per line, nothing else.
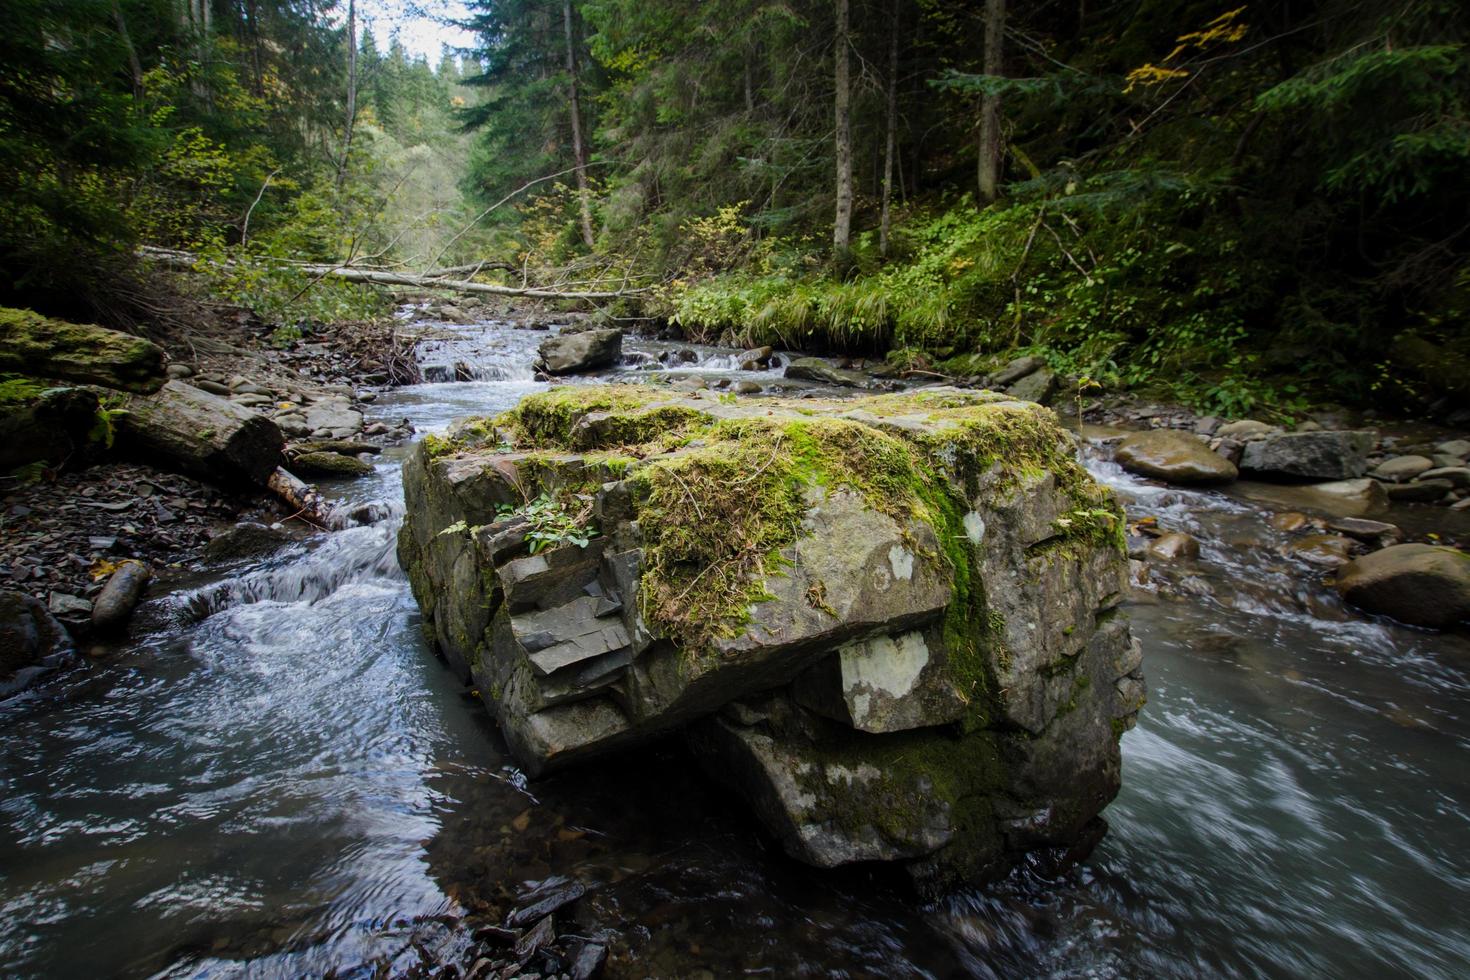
576, 353
1418, 491
1330, 550
336, 417
816, 369
754, 359
31, 641
1455, 447
1459, 476
1314, 455
246, 540
1173, 546
330, 464
1419, 584
1288, 521
1398, 469
1244, 429
1346, 498
891, 623
1173, 457
124, 588
1015, 371
1380, 533
1038, 386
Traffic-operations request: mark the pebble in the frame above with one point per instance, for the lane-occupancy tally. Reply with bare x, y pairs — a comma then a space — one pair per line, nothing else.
1288, 521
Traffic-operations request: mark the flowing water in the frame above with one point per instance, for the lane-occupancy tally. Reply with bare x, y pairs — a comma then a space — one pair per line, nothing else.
283, 781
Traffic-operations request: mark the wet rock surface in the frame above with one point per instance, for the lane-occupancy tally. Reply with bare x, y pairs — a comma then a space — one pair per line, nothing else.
577, 353
1419, 584
889, 623
31, 640
1175, 457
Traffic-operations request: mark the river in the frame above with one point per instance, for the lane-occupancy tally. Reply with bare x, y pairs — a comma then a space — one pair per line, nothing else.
282, 781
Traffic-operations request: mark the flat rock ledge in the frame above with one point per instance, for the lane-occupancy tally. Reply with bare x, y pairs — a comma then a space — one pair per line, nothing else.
891, 623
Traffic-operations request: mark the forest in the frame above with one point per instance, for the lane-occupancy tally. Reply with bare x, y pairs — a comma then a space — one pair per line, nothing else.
1249, 208
726, 488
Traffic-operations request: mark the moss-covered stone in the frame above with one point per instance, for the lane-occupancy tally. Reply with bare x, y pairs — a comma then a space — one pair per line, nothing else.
926, 581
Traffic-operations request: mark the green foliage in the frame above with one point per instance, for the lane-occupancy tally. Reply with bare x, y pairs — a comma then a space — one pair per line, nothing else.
552, 522
1393, 122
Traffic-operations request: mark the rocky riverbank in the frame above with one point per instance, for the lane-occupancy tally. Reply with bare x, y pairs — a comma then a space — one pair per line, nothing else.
121, 450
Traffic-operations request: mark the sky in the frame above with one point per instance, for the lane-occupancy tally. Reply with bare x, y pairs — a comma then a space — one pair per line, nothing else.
419, 24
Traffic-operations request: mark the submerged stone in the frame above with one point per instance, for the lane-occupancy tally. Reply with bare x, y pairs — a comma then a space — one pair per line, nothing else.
890, 623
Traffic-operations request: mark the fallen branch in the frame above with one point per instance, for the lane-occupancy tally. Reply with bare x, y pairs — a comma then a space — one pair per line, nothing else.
382, 277
307, 500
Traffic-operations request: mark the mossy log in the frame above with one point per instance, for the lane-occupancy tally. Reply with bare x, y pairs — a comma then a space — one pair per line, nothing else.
78, 352
191, 431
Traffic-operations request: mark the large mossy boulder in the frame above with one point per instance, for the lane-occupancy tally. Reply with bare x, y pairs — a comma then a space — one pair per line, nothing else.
32, 344
890, 622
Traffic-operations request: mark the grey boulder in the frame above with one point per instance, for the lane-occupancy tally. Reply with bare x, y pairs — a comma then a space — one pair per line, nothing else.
577, 353
1419, 584
1310, 455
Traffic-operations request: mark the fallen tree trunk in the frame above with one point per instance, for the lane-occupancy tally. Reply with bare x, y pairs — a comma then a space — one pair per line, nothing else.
80, 352
383, 277
303, 496
203, 435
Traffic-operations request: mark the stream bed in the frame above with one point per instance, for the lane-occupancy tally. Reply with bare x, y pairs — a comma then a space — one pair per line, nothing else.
282, 781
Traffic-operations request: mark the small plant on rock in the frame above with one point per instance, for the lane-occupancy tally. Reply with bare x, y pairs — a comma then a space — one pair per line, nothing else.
552, 522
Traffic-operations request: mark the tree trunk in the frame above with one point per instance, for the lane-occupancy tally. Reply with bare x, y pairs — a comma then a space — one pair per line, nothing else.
351, 90
579, 147
842, 226
252, 10
203, 435
134, 66
890, 146
995, 21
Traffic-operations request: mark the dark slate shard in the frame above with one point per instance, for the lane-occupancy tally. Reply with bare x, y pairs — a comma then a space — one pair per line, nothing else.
588, 961
596, 642
564, 894
541, 935
585, 680
498, 541
549, 579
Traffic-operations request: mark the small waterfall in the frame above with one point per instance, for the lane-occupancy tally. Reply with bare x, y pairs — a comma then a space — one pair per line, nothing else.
304, 574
